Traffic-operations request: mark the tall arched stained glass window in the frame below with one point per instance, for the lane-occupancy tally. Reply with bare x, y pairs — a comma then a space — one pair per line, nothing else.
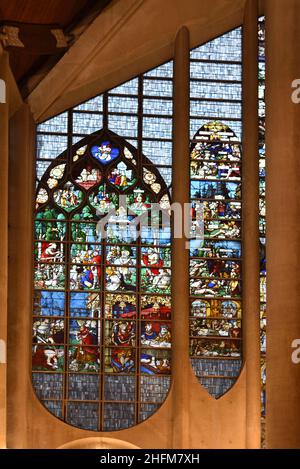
215, 190
102, 306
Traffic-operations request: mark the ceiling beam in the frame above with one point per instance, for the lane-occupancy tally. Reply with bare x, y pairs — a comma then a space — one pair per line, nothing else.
129, 37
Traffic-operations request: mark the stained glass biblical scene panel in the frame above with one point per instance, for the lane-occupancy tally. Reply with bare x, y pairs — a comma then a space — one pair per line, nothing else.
262, 214
101, 343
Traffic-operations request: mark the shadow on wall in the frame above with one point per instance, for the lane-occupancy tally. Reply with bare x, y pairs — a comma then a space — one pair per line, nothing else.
98, 443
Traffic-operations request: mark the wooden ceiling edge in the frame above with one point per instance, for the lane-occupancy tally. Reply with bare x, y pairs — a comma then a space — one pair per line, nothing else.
86, 38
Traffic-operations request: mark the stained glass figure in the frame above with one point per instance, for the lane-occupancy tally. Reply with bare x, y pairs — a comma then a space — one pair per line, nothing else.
156, 334
49, 252
69, 197
105, 152
50, 276
120, 306
103, 201
122, 176
48, 331
87, 177
155, 362
47, 358
156, 307
120, 333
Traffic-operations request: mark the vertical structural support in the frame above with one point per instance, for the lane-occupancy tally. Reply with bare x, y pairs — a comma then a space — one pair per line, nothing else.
180, 253
21, 171
251, 287
4, 116
283, 226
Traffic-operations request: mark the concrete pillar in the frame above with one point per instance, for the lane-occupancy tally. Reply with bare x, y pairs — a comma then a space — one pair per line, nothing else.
180, 254
251, 293
20, 249
283, 226
4, 116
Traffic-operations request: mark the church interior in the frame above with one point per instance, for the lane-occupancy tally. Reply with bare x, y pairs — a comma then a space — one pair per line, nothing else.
149, 224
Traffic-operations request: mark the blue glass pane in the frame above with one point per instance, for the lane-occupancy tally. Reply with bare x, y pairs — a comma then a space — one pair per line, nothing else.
158, 88
83, 387
55, 407
56, 124
226, 47
83, 415
157, 106
41, 167
215, 71
165, 70
133, 142
48, 386
85, 305
214, 90
84, 123
50, 146
159, 153
154, 388
77, 139
157, 127
166, 174
118, 416
122, 104
216, 109
147, 410
130, 87
94, 104
119, 388
125, 126
48, 303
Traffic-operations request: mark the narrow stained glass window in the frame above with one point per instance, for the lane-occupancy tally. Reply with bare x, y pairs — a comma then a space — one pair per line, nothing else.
215, 191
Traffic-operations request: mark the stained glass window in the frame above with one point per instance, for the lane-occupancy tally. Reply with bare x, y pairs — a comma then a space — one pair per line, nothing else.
101, 349
262, 214
215, 191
